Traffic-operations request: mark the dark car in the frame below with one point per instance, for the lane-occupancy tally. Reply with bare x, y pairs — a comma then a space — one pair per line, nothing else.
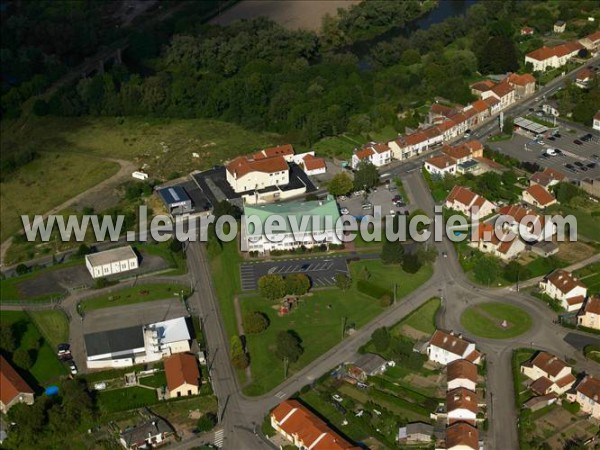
578, 163
570, 166
592, 165
551, 138
397, 198
558, 135
587, 137
577, 141
63, 348
558, 151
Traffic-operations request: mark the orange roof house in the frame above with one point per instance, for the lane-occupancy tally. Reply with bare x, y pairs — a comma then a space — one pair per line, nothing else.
183, 375
13, 388
537, 195
305, 429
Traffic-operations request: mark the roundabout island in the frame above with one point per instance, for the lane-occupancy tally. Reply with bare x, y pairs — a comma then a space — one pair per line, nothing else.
495, 320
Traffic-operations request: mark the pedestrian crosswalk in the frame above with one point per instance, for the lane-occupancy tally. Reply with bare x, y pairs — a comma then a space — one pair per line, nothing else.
219, 438
281, 395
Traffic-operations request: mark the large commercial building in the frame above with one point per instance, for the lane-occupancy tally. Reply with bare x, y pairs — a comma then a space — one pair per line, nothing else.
307, 224
111, 262
140, 344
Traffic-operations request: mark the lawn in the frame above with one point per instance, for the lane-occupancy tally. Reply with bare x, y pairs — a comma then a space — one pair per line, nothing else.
135, 294
485, 320
590, 275
159, 379
518, 358
339, 146
225, 269
126, 399
543, 266
165, 145
592, 352
46, 182
318, 320
588, 226
423, 319
46, 368
53, 324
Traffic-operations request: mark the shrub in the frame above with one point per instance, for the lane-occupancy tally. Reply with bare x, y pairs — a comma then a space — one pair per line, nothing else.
206, 423
255, 323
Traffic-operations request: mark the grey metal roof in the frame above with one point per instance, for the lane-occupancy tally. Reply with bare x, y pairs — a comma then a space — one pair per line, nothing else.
369, 362
111, 256
530, 125
138, 434
114, 341
174, 195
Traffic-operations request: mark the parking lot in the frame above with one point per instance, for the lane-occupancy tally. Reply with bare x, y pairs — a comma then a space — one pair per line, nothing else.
381, 197
574, 160
320, 270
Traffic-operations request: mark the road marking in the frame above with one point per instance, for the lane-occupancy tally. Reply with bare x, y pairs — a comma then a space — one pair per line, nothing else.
219, 435
281, 394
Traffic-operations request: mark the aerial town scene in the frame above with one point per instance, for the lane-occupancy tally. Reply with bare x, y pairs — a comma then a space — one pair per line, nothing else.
300, 224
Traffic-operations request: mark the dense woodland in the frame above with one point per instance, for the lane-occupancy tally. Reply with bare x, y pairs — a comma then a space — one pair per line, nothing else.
298, 83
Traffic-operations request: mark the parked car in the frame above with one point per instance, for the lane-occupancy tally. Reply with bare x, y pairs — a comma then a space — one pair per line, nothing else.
337, 398
586, 137
397, 198
344, 211
592, 165
551, 138
577, 141
578, 163
570, 166
72, 367
63, 348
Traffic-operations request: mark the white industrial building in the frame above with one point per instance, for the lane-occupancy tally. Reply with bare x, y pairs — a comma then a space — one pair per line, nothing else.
111, 262
139, 344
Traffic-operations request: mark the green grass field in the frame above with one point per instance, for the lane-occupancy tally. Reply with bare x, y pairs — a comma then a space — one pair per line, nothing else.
590, 276
126, 399
588, 226
53, 324
136, 294
423, 319
46, 182
46, 368
157, 380
318, 320
485, 320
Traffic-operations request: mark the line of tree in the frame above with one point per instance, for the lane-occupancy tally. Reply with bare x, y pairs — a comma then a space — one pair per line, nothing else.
275, 286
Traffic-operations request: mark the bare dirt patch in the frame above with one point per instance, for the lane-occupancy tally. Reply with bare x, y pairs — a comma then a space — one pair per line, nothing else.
573, 252
292, 14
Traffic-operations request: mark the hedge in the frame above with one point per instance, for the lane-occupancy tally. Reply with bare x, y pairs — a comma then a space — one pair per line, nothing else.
373, 290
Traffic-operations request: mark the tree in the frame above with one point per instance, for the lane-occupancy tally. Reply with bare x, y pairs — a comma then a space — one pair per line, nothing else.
83, 250
343, 281
566, 192
8, 341
289, 346
486, 270
381, 339
272, 287
391, 252
22, 269
498, 55
23, 359
239, 358
366, 176
224, 208
297, 284
255, 322
508, 125
207, 422
340, 184
514, 272
411, 263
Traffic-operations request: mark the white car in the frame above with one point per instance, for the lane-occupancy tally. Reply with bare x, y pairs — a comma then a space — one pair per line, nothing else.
337, 398
551, 152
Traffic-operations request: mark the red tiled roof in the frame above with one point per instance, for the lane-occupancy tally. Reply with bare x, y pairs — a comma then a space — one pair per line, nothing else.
590, 387
380, 147
11, 383
461, 368
584, 74
463, 435
492, 101
479, 106
592, 306
297, 420
527, 30
461, 195
436, 108
541, 385
242, 165
547, 176
364, 153
566, 380
181, 368
441, 161
449, 342
594, 36
502, 89
540, 194
548, 363
577, 300
312, 163
280, 150
483, 86
416, 138
543, 53
521, 80
564, 281
473, 356
461, 398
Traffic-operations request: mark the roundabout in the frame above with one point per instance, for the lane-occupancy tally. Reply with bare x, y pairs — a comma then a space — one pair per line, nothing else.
495, 320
